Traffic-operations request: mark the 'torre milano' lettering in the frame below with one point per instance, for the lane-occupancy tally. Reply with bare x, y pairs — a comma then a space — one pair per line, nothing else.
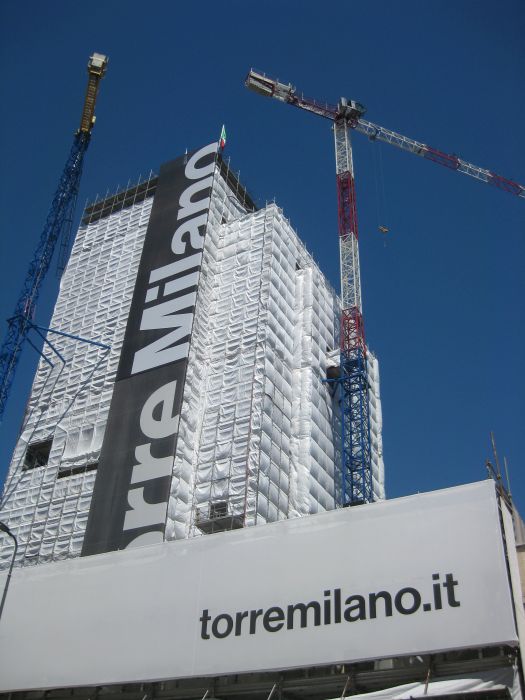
132, 487
334, 608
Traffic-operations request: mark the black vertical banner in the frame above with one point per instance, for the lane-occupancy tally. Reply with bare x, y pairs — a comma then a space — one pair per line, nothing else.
132, 487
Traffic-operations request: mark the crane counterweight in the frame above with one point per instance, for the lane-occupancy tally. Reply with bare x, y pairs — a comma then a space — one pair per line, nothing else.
267, 87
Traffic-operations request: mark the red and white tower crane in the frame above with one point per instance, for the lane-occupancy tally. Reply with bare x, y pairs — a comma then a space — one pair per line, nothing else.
357, 485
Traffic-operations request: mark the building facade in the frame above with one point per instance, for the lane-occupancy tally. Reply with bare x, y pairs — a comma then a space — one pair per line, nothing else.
258, 427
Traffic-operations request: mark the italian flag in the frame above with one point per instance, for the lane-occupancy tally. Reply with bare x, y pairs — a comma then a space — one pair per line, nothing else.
222, 139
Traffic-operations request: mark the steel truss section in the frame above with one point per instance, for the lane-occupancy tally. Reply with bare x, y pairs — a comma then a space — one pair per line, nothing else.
350, 279
355, 439
451, 161
347, 219
357, 473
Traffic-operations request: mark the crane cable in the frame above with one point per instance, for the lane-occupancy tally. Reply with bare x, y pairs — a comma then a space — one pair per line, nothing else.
380, 191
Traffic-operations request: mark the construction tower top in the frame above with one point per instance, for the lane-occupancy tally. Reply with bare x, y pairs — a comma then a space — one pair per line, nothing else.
96, 69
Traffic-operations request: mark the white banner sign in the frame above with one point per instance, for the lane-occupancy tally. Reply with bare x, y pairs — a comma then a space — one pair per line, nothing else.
413, 575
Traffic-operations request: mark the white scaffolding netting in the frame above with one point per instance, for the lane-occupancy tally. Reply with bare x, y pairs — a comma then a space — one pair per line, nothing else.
47, 506
255, 393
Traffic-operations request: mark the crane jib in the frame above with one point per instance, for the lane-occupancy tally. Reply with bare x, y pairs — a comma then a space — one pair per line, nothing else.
449, 161
268, 87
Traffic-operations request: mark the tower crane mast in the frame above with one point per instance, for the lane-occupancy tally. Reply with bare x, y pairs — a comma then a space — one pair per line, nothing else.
357, 484
59, 217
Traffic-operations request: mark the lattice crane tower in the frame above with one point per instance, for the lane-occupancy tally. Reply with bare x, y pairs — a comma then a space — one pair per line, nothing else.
347, 114
57, 224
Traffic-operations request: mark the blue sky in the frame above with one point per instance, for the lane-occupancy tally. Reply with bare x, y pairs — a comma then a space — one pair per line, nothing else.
442, 292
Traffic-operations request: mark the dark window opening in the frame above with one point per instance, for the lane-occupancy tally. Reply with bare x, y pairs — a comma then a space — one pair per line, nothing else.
77, 470
219, 509
37, 455
216, 518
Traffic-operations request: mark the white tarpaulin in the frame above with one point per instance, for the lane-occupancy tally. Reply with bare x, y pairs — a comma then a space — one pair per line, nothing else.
408, 576
484, 681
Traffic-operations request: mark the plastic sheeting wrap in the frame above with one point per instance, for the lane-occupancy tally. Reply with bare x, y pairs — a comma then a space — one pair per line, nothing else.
256, 442
47, 507
259, 430
480, 682
376, 427
224, 207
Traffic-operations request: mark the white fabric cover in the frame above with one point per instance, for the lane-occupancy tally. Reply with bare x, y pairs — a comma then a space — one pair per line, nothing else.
497, 679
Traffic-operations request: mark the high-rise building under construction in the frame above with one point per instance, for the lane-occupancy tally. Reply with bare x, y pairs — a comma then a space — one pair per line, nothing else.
185, 391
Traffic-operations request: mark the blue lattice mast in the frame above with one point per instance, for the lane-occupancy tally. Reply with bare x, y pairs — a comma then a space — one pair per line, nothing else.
357, 485
57, 222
